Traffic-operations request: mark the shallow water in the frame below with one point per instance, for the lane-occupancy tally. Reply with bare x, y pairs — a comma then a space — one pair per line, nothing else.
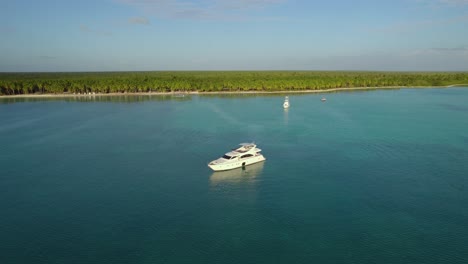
365, 177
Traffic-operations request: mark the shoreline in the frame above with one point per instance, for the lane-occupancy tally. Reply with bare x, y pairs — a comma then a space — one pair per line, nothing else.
226, 92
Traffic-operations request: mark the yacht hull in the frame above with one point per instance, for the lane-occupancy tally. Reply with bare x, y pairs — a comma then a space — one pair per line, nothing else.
234, 164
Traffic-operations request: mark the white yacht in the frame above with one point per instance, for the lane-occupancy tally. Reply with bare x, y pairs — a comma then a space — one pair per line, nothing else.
245, 175
246, 154
286, 102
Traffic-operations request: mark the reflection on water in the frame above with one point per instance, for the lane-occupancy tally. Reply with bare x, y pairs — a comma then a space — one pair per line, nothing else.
235, 95
102, 98
454, 107
286, 118
247, 174
176, 96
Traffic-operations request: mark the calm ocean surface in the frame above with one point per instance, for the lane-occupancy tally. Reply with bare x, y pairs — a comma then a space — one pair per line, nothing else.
366, 177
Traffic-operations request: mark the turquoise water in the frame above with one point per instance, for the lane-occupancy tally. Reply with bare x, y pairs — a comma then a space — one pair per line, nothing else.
366, 177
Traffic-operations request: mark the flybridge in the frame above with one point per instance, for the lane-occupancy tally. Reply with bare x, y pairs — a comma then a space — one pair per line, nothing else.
244, 147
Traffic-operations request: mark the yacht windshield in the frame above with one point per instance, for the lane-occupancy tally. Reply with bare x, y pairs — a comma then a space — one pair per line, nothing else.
227, 157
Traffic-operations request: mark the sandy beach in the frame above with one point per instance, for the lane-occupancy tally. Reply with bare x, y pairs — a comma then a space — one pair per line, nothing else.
223, 92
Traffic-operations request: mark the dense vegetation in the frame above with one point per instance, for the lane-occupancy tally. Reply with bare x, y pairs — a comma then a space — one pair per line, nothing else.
211, 81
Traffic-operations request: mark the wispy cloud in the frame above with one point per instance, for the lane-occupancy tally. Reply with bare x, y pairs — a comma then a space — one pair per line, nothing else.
139, 21
440, 4
460, 52
245, 4
463, 49
47, 57
432, 59
453, 2
86, 29
411, 26
7, 29
201, 10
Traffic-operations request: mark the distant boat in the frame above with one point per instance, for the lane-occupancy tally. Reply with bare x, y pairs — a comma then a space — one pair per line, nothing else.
179, 95
323, 99
286, 102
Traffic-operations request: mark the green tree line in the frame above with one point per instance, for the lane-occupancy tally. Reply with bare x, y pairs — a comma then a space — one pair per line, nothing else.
212, 81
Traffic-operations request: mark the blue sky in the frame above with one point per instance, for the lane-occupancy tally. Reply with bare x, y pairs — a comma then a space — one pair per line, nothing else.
135, 35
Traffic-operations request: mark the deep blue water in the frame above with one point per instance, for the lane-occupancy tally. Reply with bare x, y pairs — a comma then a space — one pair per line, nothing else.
366, 177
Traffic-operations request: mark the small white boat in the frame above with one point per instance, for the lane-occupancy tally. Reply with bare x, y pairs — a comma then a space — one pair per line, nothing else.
323, 99
286, 102
246, 154
179, 95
